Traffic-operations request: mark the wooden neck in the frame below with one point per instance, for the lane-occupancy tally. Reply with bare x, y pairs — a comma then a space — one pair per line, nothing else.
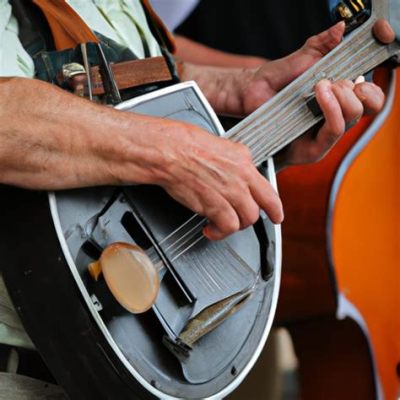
287, 116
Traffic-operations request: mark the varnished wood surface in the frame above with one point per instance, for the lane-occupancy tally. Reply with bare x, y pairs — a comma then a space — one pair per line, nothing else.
334, 360
366, 254
308, 282
366, 243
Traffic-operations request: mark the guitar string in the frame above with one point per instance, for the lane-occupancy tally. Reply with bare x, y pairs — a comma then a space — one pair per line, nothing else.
177, 242
261, 149
192, 235
263, 124
196, 235
338, 58
271, 111
268, 118
264, 147
261, 152
179, 228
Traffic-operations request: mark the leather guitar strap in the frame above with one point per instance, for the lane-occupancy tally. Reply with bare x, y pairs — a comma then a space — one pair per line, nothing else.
69, 31
67, 27
161, 31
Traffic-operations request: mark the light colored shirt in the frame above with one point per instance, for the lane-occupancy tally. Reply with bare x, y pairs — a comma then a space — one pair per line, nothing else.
11, 329
14, 60
123, 21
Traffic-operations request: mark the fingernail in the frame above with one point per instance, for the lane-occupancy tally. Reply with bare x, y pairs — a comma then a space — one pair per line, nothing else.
325, 88
383, 31
360, 79
280, 217
211, 232
364, 90
341, 24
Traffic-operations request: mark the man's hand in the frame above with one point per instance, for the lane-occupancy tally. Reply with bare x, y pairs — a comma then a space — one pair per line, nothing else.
240, 92
216, 178
50, 139
342, 102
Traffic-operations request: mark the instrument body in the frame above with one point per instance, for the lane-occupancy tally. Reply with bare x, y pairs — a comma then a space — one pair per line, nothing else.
346, 281
364, 238
120, 355
134, 343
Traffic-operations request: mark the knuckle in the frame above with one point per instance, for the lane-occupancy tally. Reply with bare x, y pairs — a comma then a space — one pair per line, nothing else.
244, 151
343, 84
245, 175
198, 208
231, 225
355, 113
251, 217
337, 130
312, 41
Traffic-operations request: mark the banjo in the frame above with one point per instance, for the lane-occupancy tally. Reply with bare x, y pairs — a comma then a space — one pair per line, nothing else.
214, 301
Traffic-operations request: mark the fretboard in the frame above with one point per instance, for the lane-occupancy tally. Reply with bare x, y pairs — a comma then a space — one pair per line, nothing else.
287, 116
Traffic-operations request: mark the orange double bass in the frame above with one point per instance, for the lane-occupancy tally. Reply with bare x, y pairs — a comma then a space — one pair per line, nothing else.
340, 293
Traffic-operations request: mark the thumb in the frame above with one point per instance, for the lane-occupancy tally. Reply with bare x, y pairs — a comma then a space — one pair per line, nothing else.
326, 41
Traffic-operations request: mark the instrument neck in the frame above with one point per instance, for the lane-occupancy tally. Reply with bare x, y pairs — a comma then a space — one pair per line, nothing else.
287, 116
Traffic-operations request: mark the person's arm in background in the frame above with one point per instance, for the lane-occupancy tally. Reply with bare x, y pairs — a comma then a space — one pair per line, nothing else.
196, 53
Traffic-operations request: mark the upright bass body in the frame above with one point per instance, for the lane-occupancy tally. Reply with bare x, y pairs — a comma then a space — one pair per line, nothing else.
346, 282
94, 347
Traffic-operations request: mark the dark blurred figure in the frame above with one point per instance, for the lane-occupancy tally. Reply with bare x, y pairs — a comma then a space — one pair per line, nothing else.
264, 28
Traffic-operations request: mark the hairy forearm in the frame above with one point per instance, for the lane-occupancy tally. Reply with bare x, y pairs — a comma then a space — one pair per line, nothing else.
238, 91
197, 53
50, 139
221, 86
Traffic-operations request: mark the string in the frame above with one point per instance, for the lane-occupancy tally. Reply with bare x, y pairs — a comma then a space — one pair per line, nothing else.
194, 234
342, 58
251, 131
264, 146
188, 239
266, 119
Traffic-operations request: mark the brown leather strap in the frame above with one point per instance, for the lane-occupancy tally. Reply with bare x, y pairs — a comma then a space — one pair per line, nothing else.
68, 28
128, 74
160, 24
69, 31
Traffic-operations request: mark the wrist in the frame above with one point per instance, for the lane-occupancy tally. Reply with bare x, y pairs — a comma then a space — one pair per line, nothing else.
223, 87
141, 149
